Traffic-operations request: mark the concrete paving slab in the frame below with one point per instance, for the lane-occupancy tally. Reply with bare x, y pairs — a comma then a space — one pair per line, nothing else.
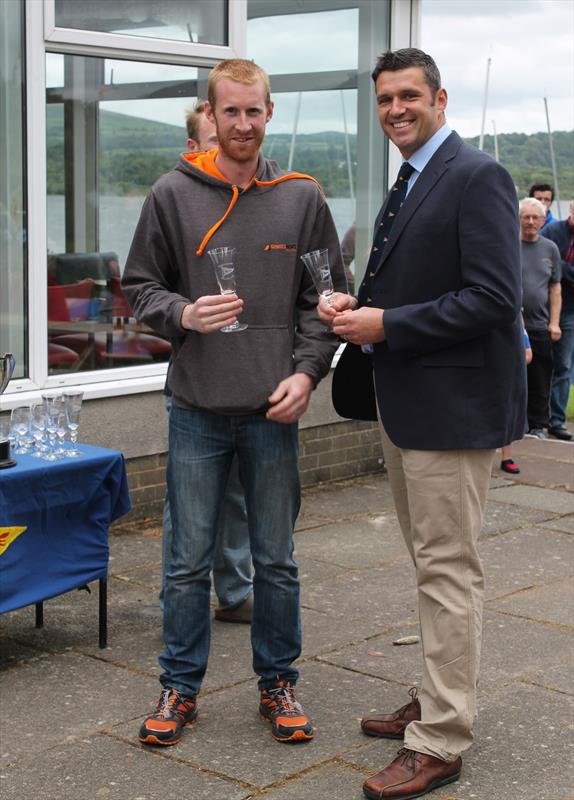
12, 652
313, 571
379, 658
527, 557
551, 604
342, 500
231, 740
521, 750
356, 544
565, 524
133, 550
229, 658
100, 768
501, 517
69, 695
551, 500
504, 655
323, 632
334, 781
385, 596
554, 475
148, 576
71, 619
560, 677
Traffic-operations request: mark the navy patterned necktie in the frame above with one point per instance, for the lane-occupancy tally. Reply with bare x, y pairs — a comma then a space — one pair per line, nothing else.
396, 199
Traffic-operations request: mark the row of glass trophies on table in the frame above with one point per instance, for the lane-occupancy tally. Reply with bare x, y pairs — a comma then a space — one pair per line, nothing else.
47, 429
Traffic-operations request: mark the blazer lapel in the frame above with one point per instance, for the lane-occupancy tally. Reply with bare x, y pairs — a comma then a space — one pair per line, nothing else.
433, 171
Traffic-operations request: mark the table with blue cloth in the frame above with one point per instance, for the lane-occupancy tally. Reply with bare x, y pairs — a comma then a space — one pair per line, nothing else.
54, 521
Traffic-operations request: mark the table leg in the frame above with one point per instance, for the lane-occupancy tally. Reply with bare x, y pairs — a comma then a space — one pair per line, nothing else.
39, 615
103, 612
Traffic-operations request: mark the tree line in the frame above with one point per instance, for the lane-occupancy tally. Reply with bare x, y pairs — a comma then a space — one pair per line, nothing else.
134, 152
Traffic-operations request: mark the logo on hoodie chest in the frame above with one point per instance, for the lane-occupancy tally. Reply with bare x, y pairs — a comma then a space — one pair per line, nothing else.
289, 247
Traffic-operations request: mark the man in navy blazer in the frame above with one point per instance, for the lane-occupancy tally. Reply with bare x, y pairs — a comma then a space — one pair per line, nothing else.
437, 321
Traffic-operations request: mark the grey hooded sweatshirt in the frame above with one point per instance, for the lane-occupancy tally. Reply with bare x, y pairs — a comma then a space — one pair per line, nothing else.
271, 223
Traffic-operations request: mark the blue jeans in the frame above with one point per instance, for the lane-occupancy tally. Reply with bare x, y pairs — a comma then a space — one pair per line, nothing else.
232, 563
201, 449
563, 356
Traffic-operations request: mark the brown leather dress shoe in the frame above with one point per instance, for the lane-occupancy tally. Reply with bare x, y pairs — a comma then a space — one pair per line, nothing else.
411, 775
392, 726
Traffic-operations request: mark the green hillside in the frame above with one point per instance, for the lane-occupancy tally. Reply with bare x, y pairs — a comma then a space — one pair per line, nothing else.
134, 152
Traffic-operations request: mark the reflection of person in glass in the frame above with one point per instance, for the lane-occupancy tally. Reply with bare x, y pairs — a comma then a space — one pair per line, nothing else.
232, 562
239, 394
438, 314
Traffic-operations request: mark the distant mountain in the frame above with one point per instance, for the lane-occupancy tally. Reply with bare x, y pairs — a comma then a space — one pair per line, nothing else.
134, 152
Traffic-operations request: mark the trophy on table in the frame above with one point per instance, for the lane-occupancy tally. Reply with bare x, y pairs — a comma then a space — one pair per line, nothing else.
7, 364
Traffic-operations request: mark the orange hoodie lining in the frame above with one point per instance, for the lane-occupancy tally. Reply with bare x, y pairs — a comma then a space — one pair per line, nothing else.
205, 161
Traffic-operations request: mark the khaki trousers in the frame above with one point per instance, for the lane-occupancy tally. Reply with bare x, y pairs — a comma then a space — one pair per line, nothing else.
440, 497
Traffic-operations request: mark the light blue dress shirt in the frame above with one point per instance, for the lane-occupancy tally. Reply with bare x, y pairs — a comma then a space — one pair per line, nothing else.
423, 155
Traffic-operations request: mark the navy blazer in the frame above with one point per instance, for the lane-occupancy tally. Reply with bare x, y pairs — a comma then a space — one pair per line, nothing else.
451, 373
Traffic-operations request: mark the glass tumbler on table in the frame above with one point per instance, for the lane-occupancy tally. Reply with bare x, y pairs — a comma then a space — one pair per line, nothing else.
223, 260
20, 424
73, 404
52, 406
317, 263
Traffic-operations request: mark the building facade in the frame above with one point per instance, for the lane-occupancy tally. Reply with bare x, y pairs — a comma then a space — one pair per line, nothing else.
92, 102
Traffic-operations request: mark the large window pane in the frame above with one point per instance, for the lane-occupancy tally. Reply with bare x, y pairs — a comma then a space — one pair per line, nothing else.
110, 134
314, 124
199, 21
13, 306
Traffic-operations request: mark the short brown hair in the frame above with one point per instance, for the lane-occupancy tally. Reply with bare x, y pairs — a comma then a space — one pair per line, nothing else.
395, 60
192, 117
240, 70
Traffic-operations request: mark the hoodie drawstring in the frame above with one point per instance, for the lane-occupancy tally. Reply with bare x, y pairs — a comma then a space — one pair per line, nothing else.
220, 222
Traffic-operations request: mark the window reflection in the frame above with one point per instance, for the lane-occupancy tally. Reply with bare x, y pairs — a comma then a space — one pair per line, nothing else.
107, 142
294, 43
203, 21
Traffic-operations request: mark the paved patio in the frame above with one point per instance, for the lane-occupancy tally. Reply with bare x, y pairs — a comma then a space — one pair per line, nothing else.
69, 712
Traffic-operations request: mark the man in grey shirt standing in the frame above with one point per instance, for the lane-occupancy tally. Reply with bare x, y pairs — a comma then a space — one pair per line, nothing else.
541, 304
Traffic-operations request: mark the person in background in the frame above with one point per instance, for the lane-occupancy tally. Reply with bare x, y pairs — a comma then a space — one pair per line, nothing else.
437, 322
238, 393
541, 305
545, 193
232, 562
562, 234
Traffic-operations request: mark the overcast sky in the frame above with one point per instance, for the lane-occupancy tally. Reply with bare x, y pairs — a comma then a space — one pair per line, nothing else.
530, 43
531, 46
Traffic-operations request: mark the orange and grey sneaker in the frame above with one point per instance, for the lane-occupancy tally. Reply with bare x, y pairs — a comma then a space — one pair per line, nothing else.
172, 712
288, 720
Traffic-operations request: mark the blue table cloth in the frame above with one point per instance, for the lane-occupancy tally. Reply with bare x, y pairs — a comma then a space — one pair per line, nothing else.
54, 520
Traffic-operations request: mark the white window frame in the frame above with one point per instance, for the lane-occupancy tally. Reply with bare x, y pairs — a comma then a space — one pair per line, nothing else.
41, 38
144, 48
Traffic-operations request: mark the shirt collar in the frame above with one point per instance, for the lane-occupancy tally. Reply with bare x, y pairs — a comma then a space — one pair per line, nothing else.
423, 155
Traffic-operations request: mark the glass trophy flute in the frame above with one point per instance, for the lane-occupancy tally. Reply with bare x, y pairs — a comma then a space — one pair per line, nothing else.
317, 263
223, 260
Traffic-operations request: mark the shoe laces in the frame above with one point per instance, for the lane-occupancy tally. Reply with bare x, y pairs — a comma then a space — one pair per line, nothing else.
413, 692
284, 697
169, 702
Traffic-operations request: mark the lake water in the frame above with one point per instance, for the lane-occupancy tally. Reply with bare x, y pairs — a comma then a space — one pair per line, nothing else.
119, 216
